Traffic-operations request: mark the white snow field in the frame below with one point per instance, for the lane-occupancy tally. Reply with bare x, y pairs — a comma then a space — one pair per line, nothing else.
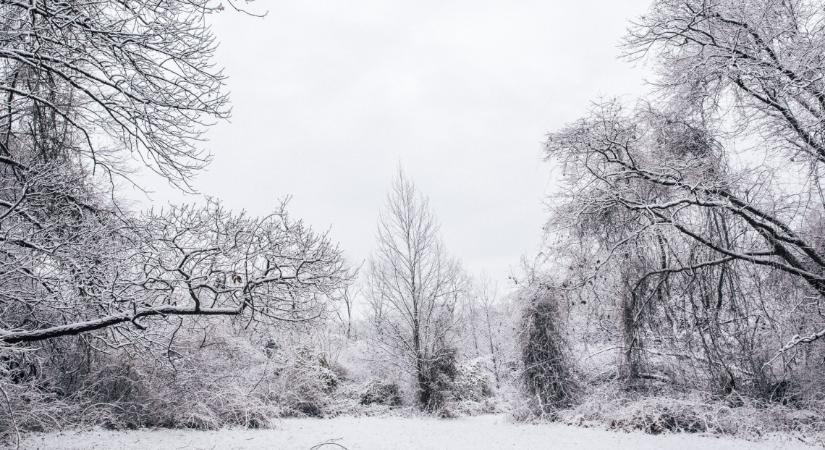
367, 433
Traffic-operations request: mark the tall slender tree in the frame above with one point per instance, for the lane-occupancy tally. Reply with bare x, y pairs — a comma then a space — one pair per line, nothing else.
414, 287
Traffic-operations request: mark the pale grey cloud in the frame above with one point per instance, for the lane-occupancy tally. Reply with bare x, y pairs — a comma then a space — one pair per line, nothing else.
330, 96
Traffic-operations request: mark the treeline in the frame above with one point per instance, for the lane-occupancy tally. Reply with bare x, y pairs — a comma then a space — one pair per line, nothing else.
686, 237
194, 315
107, 314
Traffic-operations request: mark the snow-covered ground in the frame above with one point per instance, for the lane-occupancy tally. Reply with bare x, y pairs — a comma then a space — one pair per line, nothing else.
365, 433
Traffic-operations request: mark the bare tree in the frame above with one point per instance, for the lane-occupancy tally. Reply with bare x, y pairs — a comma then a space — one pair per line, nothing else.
88, 91
484, 315
414, 287
106, 80
88, 85
669, 170
348, 295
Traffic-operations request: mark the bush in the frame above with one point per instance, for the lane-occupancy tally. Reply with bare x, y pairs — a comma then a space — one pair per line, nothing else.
226, 381
436, 380
471, 382
304, 385
381, 393
470, 394
654, 417
614, 406
475, 408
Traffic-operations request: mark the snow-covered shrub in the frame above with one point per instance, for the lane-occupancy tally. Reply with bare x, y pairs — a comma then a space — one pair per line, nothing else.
655, 417
470, 393
304, 384
472, 382
447, 410
381, 393
672, 411
208, 379
435, 381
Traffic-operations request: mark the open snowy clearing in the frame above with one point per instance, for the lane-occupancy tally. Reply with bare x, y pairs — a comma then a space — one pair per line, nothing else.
364, 433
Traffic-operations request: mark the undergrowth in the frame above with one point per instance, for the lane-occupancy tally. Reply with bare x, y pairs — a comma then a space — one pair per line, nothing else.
615, 407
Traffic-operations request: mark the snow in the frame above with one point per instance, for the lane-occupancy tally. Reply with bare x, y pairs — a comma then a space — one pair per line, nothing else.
365, 433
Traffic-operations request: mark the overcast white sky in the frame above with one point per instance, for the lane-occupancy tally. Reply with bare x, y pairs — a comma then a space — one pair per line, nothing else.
329, 97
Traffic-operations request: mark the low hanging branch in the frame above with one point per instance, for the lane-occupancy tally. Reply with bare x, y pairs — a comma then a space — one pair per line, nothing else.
796, 340
108, 321
186, 261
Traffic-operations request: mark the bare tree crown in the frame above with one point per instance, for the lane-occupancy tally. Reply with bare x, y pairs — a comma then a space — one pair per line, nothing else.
665, 177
